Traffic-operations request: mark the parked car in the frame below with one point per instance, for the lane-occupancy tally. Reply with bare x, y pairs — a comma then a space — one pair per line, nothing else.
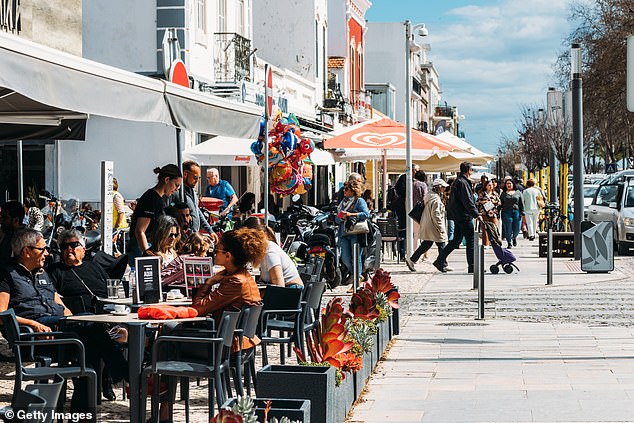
614, 202
588, 195
617, 177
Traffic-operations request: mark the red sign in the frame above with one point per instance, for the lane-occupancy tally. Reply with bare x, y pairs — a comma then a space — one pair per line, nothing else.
268, 90
178, 73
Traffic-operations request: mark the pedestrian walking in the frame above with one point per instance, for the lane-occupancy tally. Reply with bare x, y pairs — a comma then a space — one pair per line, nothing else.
419, 192
351, 210
432, 224
531, 198
462, 210
512, 212
488, 206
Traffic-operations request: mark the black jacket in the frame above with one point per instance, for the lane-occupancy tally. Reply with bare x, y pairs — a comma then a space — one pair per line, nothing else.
461, 204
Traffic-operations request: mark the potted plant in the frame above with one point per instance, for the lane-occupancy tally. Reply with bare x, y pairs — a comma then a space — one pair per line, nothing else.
266, 410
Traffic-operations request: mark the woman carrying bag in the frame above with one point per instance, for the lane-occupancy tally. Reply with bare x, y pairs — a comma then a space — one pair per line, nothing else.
352, 214
488, 205
432, 224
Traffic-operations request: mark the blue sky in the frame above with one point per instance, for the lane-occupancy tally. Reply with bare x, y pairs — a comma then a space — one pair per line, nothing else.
493, 56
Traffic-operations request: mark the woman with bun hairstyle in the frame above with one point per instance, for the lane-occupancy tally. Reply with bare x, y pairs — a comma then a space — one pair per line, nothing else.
150, 206
236, 286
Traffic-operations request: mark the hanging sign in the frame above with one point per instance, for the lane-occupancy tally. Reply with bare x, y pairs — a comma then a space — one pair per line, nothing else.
268, 91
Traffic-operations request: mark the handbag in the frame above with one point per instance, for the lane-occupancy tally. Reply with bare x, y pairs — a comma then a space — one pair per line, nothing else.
417, 211
540, 202
357, 228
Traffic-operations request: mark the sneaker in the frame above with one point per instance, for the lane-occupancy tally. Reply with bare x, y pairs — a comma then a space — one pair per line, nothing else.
448, 269
508, 247
410, 264
440, 267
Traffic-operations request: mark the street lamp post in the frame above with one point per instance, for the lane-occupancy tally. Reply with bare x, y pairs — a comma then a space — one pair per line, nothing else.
577, 140
409, 200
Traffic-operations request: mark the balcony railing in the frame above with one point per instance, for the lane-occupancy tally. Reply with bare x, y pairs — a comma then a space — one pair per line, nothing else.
361, 103
232, 57
444, 111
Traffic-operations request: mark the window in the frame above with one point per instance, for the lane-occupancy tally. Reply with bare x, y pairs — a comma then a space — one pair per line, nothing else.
240, 24
629, 199
607, 194
201, 15
317, 49
222, 15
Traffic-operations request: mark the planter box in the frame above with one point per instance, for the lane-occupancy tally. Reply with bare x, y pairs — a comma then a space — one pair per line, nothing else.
313, 383
293, 409
344, 397
383, 336
374, 357
361, 377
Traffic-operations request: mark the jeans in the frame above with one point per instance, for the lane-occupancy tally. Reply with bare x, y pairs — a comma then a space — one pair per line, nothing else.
424, 247
345, 247
463, 228
511, 221
450, 229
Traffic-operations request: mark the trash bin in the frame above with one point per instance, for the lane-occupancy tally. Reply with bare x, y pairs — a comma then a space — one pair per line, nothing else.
597, 247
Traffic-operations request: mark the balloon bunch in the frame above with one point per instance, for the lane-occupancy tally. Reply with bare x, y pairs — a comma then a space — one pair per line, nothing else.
289, 169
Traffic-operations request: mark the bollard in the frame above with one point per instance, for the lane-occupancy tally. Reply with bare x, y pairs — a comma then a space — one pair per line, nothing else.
549, 256
476, 257
355, 267
481, 286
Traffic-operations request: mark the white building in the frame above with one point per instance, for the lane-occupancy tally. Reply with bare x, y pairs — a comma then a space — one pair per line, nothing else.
385, 63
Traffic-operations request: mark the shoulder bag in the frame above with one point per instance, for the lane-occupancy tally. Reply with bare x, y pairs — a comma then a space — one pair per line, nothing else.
417, 211
354, 226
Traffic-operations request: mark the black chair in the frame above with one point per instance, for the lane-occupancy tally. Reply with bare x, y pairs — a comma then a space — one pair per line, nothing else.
282, 312
17, 341
183, 360
243, 361
30, 402
310, 270
49, 392
390, 235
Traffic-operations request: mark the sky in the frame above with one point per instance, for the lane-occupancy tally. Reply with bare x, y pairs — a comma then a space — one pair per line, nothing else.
492, 56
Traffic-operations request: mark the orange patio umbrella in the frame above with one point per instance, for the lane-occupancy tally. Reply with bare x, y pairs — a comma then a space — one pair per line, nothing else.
372, 139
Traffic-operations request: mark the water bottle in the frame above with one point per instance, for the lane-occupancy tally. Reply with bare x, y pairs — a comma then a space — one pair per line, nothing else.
133, 282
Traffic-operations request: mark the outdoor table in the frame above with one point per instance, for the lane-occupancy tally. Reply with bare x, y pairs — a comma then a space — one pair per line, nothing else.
186, 302
136, 346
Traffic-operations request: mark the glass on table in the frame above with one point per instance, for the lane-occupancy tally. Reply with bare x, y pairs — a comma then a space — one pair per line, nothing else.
113, 288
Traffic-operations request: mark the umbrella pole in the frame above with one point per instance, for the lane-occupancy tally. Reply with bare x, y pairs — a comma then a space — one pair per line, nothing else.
385, 178
179, 159
266, 171
20, 172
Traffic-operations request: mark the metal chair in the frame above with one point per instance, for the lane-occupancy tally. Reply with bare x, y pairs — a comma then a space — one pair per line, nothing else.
282, 312
17, 341
390, 235
49, 392
310, 270
183, 360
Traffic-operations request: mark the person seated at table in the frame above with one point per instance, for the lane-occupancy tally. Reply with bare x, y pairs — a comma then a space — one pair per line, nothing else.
29, 291
197, 245
277, 267
236, 286
76, 280
164, 239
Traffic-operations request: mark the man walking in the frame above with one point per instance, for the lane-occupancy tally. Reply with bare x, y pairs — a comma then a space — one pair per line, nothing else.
462, 210
400, 208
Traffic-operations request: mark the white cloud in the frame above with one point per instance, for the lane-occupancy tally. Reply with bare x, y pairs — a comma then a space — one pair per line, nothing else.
494, 58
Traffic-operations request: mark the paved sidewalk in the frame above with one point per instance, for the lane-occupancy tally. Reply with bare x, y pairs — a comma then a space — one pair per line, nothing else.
562, 353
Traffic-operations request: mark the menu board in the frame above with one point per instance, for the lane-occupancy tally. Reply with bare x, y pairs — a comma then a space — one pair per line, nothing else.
197, 271
148, 280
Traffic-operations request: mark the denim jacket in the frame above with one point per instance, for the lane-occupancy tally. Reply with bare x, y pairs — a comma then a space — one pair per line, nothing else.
359, 206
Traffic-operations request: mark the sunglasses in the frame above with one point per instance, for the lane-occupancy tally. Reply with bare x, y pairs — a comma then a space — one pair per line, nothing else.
172, 235
40, 249
72, 244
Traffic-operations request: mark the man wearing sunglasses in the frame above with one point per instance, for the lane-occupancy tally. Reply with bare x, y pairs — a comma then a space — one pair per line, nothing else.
76, 280
29, 291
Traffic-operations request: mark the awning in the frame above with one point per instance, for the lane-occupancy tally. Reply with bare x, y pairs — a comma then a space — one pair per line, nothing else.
321, 157
200, 112
469, 152
42, 86
38, 83
222, 151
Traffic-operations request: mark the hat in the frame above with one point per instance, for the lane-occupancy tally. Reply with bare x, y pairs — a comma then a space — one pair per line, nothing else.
441, 182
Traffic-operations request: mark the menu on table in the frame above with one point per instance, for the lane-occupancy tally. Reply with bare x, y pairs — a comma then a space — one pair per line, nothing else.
148, 287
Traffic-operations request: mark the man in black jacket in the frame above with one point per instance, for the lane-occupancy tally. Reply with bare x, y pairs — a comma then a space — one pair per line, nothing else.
462, 210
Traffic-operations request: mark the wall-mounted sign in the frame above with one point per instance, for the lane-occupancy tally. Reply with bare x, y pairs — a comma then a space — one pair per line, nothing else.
178, 73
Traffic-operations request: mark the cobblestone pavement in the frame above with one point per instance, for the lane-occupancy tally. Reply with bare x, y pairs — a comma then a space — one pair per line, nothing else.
601, 300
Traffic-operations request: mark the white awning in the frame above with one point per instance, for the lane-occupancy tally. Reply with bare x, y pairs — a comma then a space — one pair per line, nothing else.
222, 151
322, 157
41, 86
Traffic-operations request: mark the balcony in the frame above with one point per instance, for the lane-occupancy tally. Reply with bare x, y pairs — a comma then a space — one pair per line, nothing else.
444, 111
360, 103
232, 58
